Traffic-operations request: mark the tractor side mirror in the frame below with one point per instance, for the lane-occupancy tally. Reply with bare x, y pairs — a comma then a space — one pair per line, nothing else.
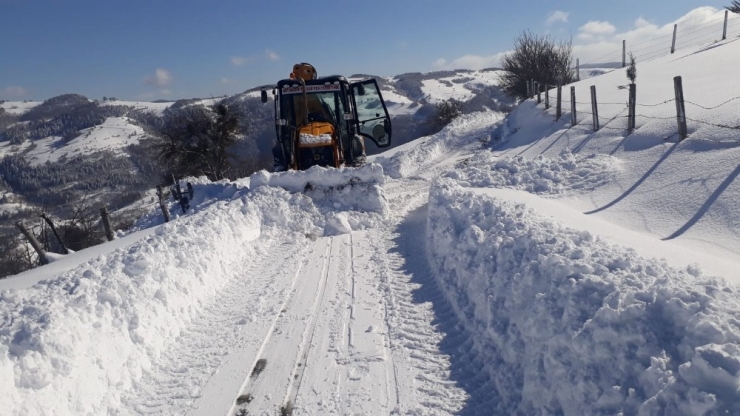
379, 132
263, 96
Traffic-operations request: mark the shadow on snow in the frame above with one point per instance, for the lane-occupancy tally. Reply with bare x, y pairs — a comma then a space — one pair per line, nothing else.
467, 370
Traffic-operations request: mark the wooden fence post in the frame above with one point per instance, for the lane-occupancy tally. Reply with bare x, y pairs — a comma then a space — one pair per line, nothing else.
34, 242
724, 31
558, 108
106, 223
573, 117
632, 108
680, 108
578, 69
56, 234
595, 108
162, 205
624, 53
547, 97
673, 44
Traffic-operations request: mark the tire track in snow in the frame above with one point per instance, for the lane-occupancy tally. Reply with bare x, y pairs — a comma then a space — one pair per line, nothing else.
286, 347
423, 369
349, 368
448, 375
224, 328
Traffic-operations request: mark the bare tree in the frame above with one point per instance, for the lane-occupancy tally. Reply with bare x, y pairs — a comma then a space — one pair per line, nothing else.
446, 111
538, 58
15, 256
735, 7
195, 141
82, 229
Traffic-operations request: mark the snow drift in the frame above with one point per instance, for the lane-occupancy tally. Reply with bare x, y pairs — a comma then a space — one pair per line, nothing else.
569, 324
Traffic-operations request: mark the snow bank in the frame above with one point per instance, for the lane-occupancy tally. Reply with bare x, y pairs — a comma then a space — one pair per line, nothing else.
407, 161
569, 324
357, 189
70, 344
297, 181
542, 175
73, 343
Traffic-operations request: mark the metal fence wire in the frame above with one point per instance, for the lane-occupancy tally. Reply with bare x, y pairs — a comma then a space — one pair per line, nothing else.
682, 38
685, 37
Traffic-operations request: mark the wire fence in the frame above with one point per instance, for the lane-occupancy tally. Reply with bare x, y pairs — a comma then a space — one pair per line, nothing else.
683, 37
686, 36
666, 110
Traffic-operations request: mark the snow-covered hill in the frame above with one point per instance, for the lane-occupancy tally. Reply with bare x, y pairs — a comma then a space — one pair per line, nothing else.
505, 265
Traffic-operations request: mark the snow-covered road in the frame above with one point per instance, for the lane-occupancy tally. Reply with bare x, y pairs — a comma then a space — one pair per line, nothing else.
516, 268
350, 324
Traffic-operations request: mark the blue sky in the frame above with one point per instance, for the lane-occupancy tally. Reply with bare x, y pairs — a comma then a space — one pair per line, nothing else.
181, 49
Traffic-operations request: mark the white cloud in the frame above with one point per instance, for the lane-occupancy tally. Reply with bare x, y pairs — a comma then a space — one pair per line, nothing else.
640, 22
239, 60
439, 63
596, 27
557, 16
161, 78
14, 91
272, 55
470, 62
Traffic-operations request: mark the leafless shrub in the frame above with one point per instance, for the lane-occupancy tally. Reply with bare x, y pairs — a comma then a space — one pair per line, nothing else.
538, 58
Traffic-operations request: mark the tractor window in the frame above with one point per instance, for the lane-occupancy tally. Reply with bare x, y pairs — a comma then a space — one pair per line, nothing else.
317, 106
372, 115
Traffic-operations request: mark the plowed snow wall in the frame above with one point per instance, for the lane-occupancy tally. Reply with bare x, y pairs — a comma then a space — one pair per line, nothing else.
568, 324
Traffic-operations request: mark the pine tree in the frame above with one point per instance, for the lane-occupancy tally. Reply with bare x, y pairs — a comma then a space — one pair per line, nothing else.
735, 7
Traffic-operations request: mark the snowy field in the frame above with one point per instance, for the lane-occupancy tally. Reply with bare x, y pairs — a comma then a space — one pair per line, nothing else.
115, 134
19, 107
458, 87
502, 266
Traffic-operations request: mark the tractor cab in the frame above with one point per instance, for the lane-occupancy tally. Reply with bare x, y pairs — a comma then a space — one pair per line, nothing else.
325, 121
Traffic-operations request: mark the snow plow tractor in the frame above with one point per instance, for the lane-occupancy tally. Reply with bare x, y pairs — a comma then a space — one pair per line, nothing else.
325, 121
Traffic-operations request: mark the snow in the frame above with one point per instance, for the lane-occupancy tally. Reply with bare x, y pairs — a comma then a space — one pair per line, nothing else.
114, 134
574, 324
19, 107
514, 265
10, 207
318, 139
458, 87
396, 103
